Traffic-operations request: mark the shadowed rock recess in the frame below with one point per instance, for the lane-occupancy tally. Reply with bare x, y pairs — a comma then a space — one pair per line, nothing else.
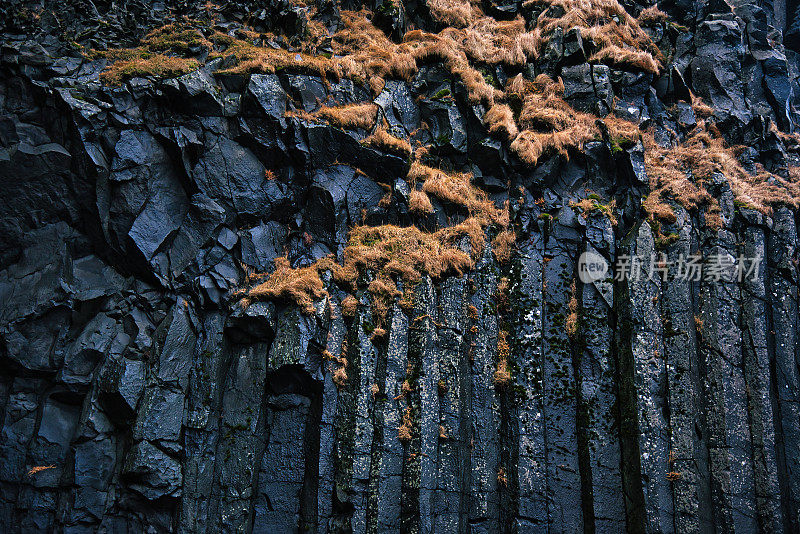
271, 266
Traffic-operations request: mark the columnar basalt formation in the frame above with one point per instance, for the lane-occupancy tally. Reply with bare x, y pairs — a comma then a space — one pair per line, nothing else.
276, 266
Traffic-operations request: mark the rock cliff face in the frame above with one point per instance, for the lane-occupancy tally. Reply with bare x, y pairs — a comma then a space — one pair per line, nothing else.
461, 378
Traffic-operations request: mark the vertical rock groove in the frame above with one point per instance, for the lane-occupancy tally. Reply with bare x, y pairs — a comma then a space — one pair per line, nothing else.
321, 267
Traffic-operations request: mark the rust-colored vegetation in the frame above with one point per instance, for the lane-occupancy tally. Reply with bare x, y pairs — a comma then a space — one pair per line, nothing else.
338, 366
419, 202
502, 376
572, 316
593, 204
39, 468
404, 433
502, 478
549, 125
502, 245
302, 286
347, 117
381, 139
530, 115
349, 306
680, 174
615, 36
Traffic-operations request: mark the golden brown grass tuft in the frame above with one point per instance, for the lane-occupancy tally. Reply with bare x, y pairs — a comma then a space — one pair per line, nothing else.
700, 108
502, 244
502, 478
340, 376
456, 13
590, 205
549, 125
301, 286
617, 37
163, 53
572, 316
390, 252
348, 116
349, 306
680, 173
381, 139
378, 333
404, 433
456, 188
651, 16
500, 120
419, 203
158, 66
502, 376
531, 114
39, 468
338, 366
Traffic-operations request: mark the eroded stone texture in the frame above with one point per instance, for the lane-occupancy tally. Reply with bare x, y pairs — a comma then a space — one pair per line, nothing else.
138, 394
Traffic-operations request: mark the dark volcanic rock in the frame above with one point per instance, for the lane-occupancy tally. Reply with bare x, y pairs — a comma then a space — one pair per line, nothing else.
143, 389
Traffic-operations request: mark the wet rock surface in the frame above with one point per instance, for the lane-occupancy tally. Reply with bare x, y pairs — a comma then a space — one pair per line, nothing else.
138, 395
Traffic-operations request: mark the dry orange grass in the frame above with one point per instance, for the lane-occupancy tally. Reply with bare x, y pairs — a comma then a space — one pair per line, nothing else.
302, 286
546, 124
159, 66
340, 376
502, 245
700, 108
456, 13
381, 139
338, 366
419, 202
587, 206
364, 53
531, 114
680, 173
500, 121
457, 188
404, 433
374, 57
395, 253
162, 54
618, 38
390, 252
39, 468
502, 376
652, 15
500, 42
348, 116
502, 478
349, 306
165, 51
572, 317
549, 125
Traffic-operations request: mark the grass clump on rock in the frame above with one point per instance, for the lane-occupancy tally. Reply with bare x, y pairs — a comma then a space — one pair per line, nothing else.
389, 252
681, 172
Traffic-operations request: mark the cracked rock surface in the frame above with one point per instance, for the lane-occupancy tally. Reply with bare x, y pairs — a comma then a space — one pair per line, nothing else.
139, 394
